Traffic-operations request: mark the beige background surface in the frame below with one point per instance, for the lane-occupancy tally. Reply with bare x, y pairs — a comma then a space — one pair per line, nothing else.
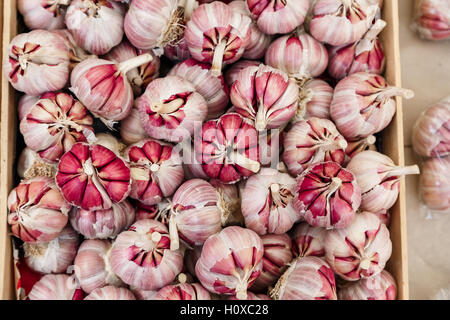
426, 70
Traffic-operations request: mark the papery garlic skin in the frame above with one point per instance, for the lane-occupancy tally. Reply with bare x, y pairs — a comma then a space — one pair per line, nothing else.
314, 100
431, 131
177, 52
267, 204
308, 278
56, 287
54, 124
432, 19
232, 73
267, 108
37, 210
93, 177
103, 224
141, 256
230, 261
30, 165
25, 103
341, 22
96, 25
363, 104
170, 108
183, 291
359, 251
320, 141
111, 293
55, 256
308, 240
277, 255
229, 203
44, 14
252, 296
379, 287
131, 130
37, 62
435, 183
92, 267
358, 146
275, 17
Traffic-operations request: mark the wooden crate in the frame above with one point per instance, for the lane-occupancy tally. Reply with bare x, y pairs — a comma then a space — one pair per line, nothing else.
392, 146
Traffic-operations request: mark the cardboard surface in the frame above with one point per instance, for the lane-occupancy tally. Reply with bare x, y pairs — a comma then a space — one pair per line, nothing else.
426, 70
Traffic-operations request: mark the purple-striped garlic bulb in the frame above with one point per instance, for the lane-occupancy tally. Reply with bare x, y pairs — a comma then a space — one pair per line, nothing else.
24, 105
54, 124
308, 240
92, 267
216, 34
358, 146
327, 196
103, 86
267, 202
141, 256
314, 100
230, 261
111, 293
37, 62
170, 108
312, 141
379, 179
102, 224
259, 41
141, 76
131, 130
384, 216
307, 278
30, 165
56, 287
229, 203
274, 17
156, 170
277, 255
183, 291
54, 256
144, 211
37, 211
252, 296
435, 183
233, 71
341, 22
96, 25
44, 14
212, 87
76, 53
379, 287
266, 96
431, 132
365, 55
363, 104
432, 19
360, 250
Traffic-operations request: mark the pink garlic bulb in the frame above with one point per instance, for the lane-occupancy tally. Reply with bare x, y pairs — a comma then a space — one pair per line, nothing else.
131, 130
149, 212
266, 96
141, 76
54, 256
358, 146
432, 19
141, 256
228, 148
267, 202
431, 132
274, 17
314, 100
230, 262
37, 62
37, 212
360, 250
435, 183
312, 141
103, 224
270, 146
379, 179
110, 142
25, 103
183, 291
54, 124
299, 55
56, 287
341, 22
277, 255
327, 195
44, 14
156, 170
111, 293
96, 25
364, 104
308, 241
229, 203
384, 216
216, 34
308, 278
252, 296
30, 165
93, 177
103, 87
192, 167
365, 55
379, 287
212, 88
177, 52
92, 266
170, 108
233, 71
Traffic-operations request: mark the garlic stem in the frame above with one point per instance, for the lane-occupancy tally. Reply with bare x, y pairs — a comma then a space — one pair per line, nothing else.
216, 67
244, 162
278, 291
370, 140
390, 92
189, 7
154, 167
335, 184
182, 278
404, 171
333, 145
135, 62
156, 237
173, 232
365, 263
260, 118
275, 194
169, 107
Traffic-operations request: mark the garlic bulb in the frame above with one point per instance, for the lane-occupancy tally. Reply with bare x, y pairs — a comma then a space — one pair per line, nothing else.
110, 142
25, 103
435, 183
44, 14
379, 287
358, 146
76, 53
131, 130
308, 240
111, 293
30, 165
56, 287
432, 19
314, 100
233, 71
178, 51
183, 291
229, 203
